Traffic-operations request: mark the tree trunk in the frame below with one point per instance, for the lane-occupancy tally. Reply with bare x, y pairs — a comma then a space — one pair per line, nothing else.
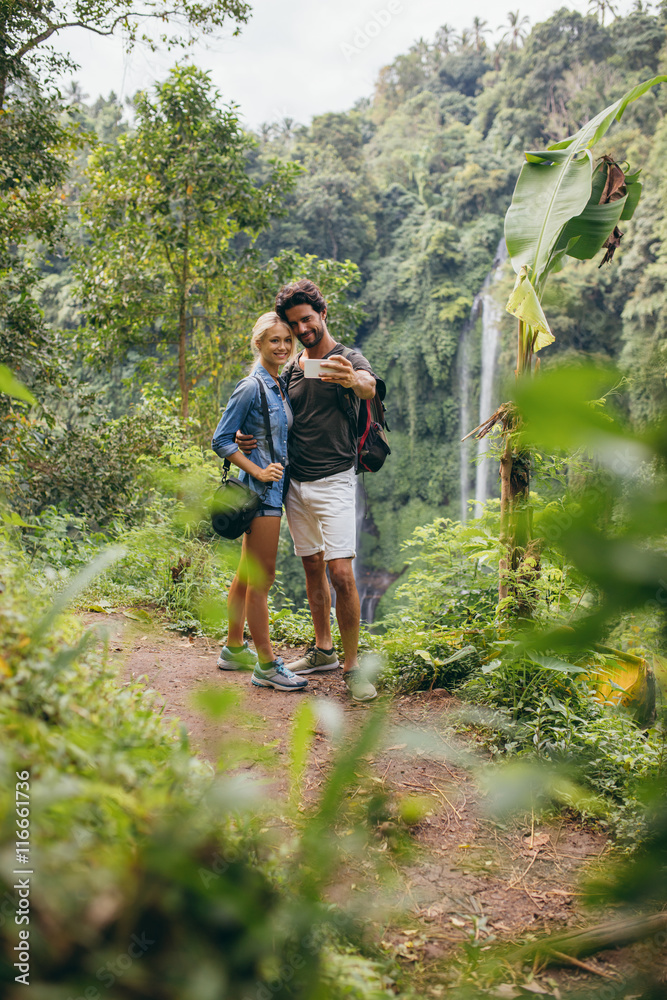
183, 329
505, 503
519, 562
182, 378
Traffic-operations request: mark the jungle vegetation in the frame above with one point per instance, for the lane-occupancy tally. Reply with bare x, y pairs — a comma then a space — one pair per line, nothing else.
134, 255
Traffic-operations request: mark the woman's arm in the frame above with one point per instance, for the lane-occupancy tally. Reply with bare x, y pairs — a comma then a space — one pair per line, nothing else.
271, 474
224, 445
235, 414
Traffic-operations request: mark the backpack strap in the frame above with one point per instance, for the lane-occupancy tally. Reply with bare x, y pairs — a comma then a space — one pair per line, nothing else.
288, 370
346, 398
267, 419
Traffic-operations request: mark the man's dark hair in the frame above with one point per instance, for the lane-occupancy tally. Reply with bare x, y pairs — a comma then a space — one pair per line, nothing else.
301, 293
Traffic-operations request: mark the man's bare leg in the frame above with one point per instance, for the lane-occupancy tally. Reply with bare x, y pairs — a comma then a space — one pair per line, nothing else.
319, 598
348, 609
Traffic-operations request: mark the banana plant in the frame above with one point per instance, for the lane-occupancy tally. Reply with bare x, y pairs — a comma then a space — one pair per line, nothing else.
564, 205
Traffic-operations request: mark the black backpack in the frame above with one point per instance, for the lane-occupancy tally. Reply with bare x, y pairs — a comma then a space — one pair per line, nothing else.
366, 417
367, 423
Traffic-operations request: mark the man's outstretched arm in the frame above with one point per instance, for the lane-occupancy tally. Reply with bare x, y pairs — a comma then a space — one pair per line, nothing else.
360, 381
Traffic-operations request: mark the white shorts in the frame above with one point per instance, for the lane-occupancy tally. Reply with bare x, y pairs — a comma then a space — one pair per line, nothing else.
321, 516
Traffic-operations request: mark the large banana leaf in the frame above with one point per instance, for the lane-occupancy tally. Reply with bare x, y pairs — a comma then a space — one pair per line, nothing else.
595, 223
588, 232
525, 305
554, 186
634, 189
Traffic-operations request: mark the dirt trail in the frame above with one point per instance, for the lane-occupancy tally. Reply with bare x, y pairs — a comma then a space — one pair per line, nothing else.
506, 880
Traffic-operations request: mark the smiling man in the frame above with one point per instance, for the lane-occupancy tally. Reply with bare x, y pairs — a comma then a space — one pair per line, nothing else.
320, 504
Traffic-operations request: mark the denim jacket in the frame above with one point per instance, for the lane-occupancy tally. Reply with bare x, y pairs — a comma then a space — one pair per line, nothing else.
244, 413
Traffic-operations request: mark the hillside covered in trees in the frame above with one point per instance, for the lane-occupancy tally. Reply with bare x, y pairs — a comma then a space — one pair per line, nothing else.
413, 185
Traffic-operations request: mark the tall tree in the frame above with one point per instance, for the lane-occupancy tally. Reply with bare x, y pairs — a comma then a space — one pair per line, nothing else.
479, 29
516, 29
170, 212
445, 38
34, 146
25, 28
34, 141
602, 7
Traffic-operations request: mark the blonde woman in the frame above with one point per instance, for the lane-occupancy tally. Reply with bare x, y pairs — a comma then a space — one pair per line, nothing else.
272, 344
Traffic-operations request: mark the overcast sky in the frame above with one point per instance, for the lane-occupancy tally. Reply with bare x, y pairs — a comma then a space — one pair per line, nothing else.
295, 58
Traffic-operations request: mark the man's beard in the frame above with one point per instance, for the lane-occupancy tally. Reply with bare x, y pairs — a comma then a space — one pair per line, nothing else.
319, 333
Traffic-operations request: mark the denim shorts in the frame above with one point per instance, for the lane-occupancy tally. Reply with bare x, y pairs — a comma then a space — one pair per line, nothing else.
266, 511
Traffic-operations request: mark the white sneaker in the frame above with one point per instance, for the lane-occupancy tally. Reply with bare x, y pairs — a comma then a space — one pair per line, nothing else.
276, 675
315, 662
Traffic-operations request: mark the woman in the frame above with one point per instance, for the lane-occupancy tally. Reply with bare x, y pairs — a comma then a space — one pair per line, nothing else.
272, 345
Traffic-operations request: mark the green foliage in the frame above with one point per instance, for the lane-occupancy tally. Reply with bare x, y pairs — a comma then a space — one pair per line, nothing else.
142, 852
34, 150
89, 464
165, 208
548, 713
419, 659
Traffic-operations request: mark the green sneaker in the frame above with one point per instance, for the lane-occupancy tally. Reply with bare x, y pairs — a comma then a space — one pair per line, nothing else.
359, 688
315, 662
235, 660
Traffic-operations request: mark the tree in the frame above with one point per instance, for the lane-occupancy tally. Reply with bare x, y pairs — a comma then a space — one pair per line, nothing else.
74, 94
479, 29
26, 27
445, 37
602, 7
34, 145
35, 140
464, 39
170, 217
516, 29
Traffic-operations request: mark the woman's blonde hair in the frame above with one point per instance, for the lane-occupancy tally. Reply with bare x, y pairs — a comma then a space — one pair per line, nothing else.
266, 322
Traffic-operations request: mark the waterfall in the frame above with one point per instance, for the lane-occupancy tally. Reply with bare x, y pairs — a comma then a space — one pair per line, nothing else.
491, 316
360, 575
371, 583
464, 388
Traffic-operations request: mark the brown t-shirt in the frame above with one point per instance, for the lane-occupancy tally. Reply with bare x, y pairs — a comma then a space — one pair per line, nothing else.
321, 442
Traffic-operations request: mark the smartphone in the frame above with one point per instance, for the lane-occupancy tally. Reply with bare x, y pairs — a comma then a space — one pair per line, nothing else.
312, 368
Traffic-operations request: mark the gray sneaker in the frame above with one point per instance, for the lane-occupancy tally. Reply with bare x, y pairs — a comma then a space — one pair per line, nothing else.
229, 660
315, 662
276, 675
359, 688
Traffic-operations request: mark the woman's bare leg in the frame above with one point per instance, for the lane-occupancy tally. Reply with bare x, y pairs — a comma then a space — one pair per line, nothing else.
261, 550
236, 599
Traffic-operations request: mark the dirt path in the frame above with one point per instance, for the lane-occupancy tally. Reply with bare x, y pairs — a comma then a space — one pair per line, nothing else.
470, 874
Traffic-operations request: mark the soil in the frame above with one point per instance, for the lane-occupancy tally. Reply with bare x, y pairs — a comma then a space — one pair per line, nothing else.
468, 876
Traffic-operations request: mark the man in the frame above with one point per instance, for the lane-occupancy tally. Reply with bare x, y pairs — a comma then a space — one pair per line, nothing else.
320, 504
